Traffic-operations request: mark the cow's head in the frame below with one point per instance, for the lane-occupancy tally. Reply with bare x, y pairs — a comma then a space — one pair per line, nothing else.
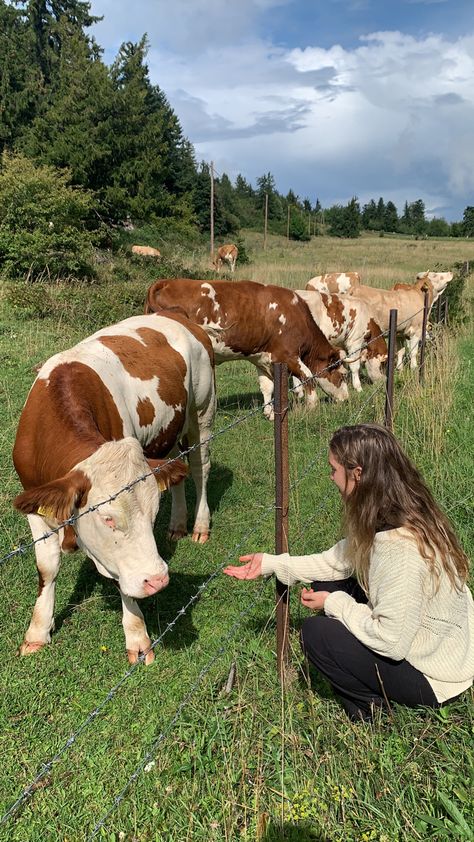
118, 535
332, 377
439, 281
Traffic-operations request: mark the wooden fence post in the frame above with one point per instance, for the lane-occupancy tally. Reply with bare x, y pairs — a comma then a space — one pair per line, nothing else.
280, 373
421, 374
392, 347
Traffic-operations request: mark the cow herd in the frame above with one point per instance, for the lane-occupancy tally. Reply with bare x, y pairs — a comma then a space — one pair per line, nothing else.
110, 414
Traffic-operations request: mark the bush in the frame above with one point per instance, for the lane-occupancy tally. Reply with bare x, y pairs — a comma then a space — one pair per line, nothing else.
47, 228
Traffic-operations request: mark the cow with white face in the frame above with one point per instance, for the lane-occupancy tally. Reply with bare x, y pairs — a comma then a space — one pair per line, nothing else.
99, 416
334, 282
346, 321
261, 323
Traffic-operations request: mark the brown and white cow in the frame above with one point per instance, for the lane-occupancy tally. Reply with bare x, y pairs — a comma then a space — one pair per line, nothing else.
226, 254
146, 251
345, 321
435, 283
409, 302
334, 282
98, 416
259, 323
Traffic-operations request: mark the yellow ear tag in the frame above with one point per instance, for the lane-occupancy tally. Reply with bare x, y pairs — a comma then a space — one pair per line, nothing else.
45, 512
162, 485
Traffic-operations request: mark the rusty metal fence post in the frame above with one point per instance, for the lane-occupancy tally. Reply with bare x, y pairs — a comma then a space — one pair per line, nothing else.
280, 373
421, 374
392, 347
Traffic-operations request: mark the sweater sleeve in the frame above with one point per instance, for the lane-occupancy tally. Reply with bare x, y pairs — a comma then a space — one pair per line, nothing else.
390, 621
330, 565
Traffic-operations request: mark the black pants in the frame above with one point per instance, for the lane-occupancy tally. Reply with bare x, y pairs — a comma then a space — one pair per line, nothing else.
355, 672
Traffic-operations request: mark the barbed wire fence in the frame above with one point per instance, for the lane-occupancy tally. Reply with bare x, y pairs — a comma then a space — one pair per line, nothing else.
92, 716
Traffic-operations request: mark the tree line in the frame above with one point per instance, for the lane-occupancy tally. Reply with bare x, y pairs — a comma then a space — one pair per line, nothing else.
85, 146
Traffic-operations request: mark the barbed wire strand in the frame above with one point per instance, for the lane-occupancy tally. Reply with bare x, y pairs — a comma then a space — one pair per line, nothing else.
152, 751
24, 546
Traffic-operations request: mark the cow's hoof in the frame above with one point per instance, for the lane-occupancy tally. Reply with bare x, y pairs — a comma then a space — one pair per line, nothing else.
176, 534
29, 648
200, 537
134, 654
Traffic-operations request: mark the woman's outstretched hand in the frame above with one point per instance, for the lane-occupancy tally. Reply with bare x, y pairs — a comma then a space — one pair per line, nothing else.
251, 570
313, 599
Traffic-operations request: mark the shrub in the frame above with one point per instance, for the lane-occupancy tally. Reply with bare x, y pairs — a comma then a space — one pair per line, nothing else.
47, 227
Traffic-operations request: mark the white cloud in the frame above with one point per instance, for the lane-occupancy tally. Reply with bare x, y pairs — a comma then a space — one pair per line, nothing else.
391, 116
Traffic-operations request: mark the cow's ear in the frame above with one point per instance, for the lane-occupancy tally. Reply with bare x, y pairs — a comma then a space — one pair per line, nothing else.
167, 473
57, 499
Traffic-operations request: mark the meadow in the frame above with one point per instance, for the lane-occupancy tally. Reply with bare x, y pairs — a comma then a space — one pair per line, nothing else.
93, 749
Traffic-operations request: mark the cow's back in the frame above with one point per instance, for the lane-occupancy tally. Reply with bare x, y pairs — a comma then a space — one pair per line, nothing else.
408, 303
136, 378
247, 317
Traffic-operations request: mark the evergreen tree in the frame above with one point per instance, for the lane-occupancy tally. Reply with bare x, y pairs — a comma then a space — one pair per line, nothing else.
417, 213
73, 130
390, 218
153, 163
344, 221
369, 216
380, 215
468, 221
266, 185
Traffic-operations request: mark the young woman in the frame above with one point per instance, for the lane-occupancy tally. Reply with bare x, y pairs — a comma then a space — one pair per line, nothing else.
398, 620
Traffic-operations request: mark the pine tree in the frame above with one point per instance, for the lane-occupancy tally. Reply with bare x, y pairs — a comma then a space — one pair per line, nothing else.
390, 219
73, 130
468, 221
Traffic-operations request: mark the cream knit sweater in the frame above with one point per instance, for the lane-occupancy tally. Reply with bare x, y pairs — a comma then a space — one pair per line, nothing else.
404, 618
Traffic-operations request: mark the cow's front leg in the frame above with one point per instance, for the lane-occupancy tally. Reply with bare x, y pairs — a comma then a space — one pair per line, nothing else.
48, 558
400, 357
136, 636
200, 466
178, 527
354, 367
298, 388
266, 388
302, 372
413, 343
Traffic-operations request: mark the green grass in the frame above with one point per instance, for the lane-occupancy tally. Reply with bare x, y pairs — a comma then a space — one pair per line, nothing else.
260, 762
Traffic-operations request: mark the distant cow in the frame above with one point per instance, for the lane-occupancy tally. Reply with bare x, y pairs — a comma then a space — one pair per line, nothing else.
334, 282
146, 251
226, 254
345, 321
259, 323
99, 416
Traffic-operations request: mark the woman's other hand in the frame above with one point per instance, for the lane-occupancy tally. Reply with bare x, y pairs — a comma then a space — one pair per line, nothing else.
251, 570
313, 599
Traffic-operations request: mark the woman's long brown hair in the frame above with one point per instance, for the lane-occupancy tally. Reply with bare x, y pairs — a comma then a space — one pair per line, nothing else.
392, 493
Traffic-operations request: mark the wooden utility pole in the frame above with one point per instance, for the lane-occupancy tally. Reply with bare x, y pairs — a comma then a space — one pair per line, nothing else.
288, 224
309, 225
265, 226
212, 210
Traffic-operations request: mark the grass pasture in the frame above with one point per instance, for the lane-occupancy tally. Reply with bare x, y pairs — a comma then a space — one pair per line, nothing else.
170, 755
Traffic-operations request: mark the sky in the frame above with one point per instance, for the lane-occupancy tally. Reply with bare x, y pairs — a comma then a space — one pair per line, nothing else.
336, 98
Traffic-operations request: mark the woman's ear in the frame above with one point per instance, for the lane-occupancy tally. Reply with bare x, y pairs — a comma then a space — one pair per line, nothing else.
357, 473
